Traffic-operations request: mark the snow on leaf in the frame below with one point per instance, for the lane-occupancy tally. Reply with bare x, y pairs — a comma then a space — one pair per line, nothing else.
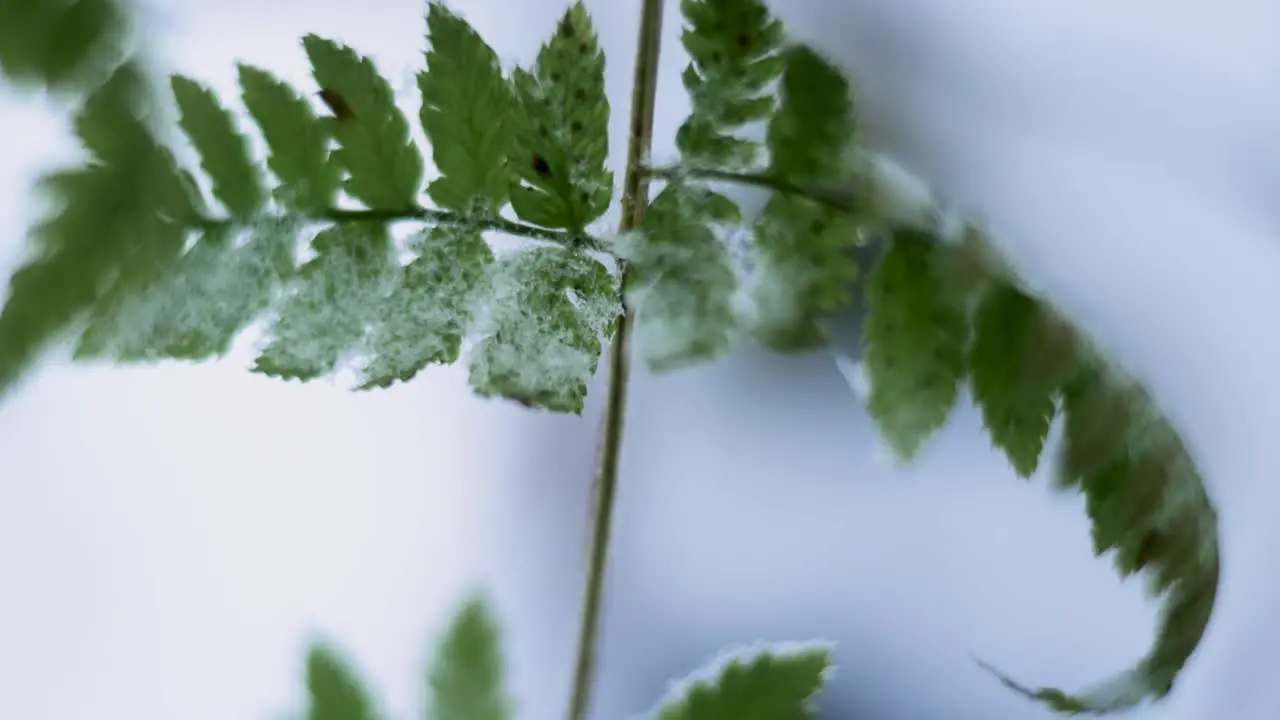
334, 691
915, 336
562, 141
804, 271
223, 149
424, 317
682, 277
117, 224
803, 250
466, 676
769, 682
383, 165
1019, 360
323, 321
467, 106
549, 309
734, 48
196, 309
298, 142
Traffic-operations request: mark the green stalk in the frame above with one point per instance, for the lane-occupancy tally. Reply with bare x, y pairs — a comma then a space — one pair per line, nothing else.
635, 198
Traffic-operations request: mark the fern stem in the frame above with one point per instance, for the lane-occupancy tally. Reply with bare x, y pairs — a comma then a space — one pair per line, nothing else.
635, 198
836, 198
441, 217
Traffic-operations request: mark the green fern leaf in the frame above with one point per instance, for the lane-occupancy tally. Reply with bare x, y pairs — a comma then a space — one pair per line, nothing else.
682, 277
550, 308
324, 320
803, 250
223, 150
562, 130
119, 223
764, 684
425, 316
734, 48
197, 308
466, 676
804, 271
334, 690
915, 336
298, 142
813, 129
1018, 363
467, 108
61, 45
1148, 505
383, 165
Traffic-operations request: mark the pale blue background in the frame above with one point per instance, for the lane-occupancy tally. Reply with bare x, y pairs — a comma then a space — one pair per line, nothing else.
169, 537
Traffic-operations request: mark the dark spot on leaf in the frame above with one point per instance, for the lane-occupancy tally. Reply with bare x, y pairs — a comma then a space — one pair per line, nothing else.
743, 40
566, 28
543, 131
716, 58
584, 48
584, 197
579, 93
575, 126
337, 104
541, 166
555, 77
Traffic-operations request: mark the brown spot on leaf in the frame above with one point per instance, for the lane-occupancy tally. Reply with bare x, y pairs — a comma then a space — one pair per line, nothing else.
541, 166
337, 104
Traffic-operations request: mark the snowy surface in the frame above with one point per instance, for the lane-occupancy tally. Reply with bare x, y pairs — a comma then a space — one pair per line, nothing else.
171, 536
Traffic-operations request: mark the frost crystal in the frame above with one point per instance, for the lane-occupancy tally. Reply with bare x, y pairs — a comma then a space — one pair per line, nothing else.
541, 344
323, 319
684, 280
195, 311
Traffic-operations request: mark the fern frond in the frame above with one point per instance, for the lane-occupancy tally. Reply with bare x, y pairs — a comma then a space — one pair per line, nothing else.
802, 250
550, 308
466, 677
324, 319
683, 280
562, 126
68, 45
423, 318
467, 112
734, 49
384, 168
334, 690
778, 681
1019, 361
223, 149
118, 224
915, 337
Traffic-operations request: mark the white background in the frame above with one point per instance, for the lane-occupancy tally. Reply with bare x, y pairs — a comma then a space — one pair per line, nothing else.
170, 537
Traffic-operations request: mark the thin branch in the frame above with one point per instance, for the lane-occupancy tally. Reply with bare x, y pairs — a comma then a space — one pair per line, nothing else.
443, 217
635, 199
838, 198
